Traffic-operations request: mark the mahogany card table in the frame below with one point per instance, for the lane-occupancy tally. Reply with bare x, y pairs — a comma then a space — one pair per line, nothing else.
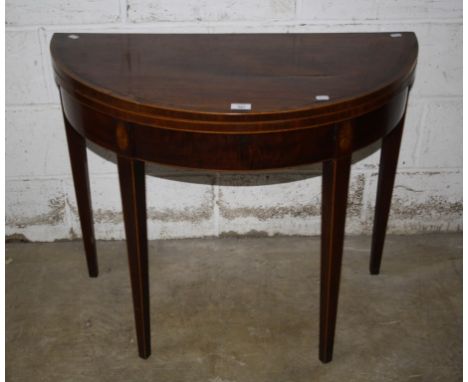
227, 102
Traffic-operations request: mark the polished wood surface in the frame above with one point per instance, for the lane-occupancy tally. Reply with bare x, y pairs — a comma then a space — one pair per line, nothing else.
198, 76
132, 188
388, 164
79, 165
334, 199
168, 99
109, 79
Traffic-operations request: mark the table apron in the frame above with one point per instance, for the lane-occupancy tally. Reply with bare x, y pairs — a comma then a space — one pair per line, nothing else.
233, 151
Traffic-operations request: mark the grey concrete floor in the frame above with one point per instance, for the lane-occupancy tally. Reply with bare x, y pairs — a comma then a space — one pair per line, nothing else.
234, 310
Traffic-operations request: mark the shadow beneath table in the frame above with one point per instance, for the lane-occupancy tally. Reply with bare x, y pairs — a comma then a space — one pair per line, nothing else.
235, 178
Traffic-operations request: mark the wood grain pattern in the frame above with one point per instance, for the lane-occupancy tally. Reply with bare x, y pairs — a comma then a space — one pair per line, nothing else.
387, 172
334, 198
79, 165
198, 76
132, 189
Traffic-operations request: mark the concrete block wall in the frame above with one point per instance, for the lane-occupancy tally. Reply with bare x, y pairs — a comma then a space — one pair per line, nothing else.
40, 201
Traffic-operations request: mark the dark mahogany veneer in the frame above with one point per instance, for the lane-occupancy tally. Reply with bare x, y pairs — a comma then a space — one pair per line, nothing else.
168, 99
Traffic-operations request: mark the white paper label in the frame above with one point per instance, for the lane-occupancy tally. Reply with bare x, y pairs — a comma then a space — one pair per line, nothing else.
322, 97
241, 106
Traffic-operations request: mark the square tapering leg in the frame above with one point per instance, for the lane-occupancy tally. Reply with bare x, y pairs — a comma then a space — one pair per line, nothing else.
132, 187
334, 199
388, 164
79, 165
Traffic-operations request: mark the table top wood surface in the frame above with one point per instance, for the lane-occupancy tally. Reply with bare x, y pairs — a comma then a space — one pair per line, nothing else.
198, 76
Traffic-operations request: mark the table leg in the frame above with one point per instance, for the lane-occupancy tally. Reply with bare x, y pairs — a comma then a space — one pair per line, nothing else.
388, 164
132, 188
79, 165
334, 199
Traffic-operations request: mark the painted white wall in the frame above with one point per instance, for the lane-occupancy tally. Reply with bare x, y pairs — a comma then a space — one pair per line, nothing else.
40, 201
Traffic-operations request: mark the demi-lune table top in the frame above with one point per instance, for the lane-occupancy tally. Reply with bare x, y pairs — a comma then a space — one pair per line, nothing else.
236, 77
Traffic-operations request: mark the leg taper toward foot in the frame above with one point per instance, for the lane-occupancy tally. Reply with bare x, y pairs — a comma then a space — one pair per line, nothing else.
132, 187
334, 199
79, 165
388, 164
